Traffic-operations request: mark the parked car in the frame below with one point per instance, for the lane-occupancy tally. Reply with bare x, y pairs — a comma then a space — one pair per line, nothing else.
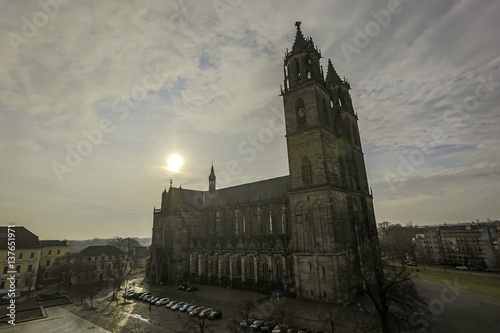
268, 326
144, 296
216, 314
462, 267
154, 299
185, 307
191, 288
182, 287
163, 301
282, 328
138, 295
247, 322
11, 295
177, 306
191, 308
147, 298
196, 311
277, 293
256, 324
172, 303
129, 294
205, 313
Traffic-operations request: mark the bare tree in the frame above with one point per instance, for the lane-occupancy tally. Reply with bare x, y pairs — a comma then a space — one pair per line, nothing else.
396, 242
66, 268
393, 298
123, 262
88, 285
200, 325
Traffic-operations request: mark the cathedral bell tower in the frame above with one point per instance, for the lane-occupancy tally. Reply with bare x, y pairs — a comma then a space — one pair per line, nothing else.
332, 217
310, 117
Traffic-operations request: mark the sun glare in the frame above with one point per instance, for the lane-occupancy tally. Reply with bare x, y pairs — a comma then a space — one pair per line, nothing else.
174, 162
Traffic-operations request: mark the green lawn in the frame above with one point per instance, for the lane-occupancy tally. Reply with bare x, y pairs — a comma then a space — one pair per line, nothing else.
480, 282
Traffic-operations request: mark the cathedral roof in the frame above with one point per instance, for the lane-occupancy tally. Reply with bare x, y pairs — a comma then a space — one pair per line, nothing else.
261, 190
251, 192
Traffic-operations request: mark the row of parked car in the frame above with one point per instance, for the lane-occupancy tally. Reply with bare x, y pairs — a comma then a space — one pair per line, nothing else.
191, 309
271, 326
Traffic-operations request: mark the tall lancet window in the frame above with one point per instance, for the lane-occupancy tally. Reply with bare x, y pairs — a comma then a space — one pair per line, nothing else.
306, 171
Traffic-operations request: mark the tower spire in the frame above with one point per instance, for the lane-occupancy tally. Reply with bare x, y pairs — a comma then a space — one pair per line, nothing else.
211, 180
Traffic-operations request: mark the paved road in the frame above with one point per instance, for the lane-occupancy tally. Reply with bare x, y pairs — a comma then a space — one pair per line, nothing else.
457, 310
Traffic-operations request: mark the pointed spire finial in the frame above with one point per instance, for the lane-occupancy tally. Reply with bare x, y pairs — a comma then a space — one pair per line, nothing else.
297, 24
170, 182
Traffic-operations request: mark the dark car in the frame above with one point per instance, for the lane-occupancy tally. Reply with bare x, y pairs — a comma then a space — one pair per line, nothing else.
277, 293
256, 324
182, 287
143, 296
129, 294
249, 321
268, 326
137, 295
205, 313
282, 328
190, 289
216, 314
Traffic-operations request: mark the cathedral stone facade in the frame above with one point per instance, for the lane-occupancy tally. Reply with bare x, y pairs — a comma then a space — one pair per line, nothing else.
310, 233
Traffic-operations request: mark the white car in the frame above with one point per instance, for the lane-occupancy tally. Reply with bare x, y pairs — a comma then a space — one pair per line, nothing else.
162, 301
10, 296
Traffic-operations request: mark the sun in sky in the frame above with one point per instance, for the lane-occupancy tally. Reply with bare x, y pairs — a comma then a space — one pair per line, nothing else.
174, 162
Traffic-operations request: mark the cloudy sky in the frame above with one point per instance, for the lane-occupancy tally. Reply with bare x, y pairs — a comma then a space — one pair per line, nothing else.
96, 95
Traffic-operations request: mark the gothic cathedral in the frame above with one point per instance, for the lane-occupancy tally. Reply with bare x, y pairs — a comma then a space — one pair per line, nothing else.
311, 234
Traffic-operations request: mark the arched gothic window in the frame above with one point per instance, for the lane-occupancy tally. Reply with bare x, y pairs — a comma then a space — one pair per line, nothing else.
251, 267
297, 68
265, 270
279, 268
306, 171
